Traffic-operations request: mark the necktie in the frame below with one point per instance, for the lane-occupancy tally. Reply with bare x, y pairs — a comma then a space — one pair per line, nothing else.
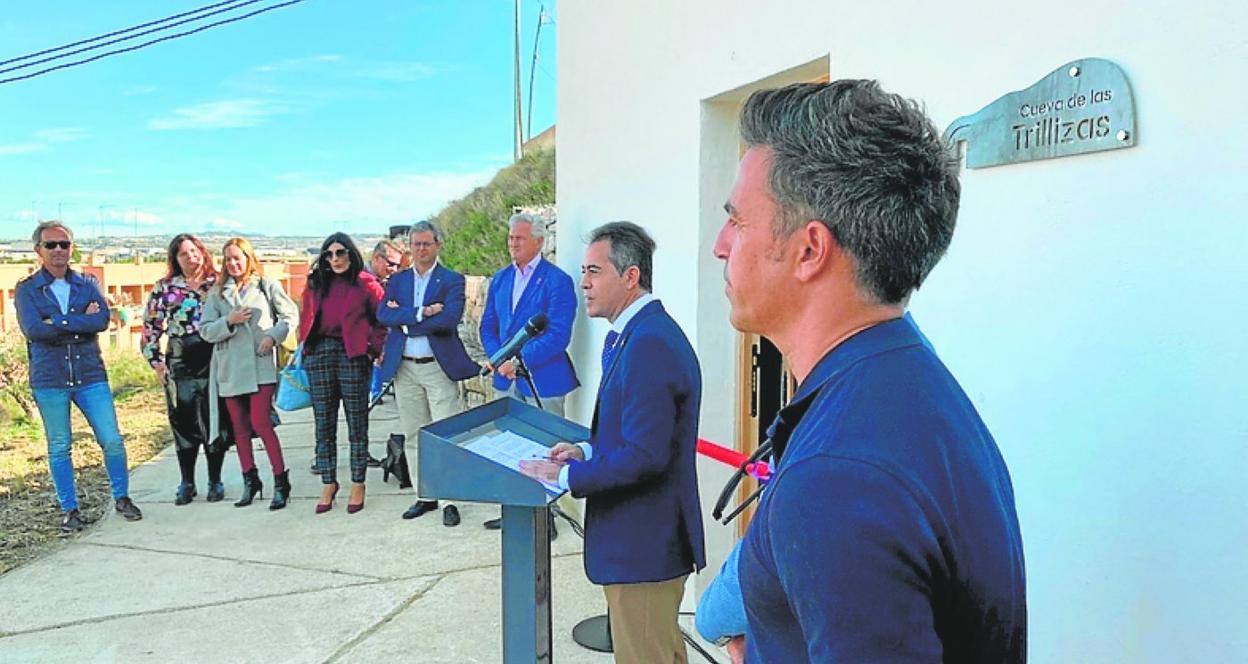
608, 349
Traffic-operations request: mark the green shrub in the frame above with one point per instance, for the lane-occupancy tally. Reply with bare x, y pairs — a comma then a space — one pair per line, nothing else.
476, 225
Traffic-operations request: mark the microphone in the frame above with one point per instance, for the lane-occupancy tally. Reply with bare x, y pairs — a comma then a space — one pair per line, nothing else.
533, 328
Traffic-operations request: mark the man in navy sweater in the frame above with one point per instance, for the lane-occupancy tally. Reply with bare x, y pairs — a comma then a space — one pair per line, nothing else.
888, 532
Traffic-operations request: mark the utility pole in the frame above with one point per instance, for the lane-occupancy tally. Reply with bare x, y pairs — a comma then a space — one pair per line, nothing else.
517, 152
541, 16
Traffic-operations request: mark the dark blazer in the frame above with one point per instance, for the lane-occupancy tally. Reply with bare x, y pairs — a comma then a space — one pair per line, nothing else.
549, 290
62, 348
643, 520
442, 329
361, 335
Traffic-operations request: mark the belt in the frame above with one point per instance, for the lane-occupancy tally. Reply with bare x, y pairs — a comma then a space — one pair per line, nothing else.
419, 360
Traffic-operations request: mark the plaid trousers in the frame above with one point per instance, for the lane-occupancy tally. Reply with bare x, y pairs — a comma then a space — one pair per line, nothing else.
333, 378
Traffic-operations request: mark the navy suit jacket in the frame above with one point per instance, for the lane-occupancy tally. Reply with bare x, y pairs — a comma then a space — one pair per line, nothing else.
643, 519
550, 291
442, 329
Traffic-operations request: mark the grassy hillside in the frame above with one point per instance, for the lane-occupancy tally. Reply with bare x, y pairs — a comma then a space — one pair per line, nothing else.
476, 225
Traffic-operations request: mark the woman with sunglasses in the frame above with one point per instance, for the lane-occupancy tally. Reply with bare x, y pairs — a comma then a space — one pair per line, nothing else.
248, 315
174, 308
340, 335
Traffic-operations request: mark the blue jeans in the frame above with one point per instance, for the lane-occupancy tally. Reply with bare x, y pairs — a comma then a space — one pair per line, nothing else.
96, 403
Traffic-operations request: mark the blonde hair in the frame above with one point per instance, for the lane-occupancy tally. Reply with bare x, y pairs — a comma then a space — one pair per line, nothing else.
254, 268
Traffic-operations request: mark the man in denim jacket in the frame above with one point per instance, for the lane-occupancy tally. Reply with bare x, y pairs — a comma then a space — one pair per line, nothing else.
61, 312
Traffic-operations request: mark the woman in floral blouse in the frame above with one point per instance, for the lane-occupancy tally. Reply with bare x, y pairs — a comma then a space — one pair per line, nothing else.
174, 309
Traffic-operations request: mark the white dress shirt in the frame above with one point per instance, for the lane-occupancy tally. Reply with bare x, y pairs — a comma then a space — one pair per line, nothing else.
419, 346
524, 274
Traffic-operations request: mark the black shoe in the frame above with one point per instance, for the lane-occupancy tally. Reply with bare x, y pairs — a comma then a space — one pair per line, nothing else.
315, 469
281, 490
450, 516
252, 488
494, 524
216, 492
126, 508
72, 522
374, 462
186, 493
420, 507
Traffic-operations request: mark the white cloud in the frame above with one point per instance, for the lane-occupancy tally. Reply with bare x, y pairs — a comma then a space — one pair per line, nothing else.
230, 113
22, 148
357, 205
221, 222
139, 90
61, 134
299, 63
130, 217
397, 71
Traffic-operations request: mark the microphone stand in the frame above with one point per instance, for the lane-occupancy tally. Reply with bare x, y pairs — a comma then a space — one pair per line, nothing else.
523, 372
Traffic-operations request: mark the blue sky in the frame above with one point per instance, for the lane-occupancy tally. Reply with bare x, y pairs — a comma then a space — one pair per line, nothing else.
325, 115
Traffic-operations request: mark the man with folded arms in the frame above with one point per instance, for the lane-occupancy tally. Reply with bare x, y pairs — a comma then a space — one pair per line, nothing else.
422, 308
60, 312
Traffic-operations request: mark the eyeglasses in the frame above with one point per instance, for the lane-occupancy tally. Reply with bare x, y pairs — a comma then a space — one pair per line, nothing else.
336, 253
57, 244
424, 245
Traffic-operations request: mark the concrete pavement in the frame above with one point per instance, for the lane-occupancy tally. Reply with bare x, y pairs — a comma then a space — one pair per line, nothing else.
214, 583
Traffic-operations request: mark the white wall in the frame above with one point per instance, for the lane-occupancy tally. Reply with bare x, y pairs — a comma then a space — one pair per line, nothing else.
1089, 305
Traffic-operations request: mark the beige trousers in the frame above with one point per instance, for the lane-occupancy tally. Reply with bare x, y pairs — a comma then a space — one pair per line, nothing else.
424, 395
643, 621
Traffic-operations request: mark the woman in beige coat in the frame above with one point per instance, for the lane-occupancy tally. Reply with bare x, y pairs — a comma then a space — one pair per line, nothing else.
246, 316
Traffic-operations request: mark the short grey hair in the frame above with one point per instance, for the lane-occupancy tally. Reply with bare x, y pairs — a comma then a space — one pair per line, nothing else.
630, 245
37, 236
426, 227
867, 164
539, 226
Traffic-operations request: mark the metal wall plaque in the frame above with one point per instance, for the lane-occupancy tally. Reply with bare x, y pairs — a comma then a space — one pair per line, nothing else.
1082, 106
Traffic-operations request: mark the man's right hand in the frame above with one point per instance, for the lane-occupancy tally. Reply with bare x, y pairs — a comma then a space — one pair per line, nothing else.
564, 452
160, 373
736, 649
507, 370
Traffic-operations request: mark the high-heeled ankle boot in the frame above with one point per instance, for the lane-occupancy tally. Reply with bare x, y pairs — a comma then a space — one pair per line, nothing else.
281, 490
252, 488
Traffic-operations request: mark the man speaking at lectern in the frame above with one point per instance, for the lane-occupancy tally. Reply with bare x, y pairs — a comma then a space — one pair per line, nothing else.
643, 521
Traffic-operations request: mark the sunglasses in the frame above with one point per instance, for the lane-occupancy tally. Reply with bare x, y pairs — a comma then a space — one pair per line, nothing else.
392, 263
336, 253
56, 244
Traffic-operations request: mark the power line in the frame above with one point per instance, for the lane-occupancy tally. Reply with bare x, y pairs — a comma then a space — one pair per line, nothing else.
115, 33
150, 42
125, 38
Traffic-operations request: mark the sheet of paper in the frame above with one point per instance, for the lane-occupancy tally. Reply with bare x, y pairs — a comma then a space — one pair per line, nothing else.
509, 449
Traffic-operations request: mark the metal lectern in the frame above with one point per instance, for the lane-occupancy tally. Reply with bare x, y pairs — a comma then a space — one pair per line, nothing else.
449, 471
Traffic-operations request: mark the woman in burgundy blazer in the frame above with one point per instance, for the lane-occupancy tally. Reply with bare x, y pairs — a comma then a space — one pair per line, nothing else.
340, 336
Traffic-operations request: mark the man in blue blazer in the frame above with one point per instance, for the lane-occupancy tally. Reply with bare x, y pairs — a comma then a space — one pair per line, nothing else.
423, 354
643, 520
530, 285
